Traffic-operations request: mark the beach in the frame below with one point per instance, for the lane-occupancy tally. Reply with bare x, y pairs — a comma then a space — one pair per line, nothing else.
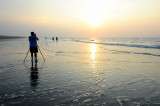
2, 37
80, 72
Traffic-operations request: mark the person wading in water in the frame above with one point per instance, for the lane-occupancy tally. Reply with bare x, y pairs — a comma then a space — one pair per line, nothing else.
33, 46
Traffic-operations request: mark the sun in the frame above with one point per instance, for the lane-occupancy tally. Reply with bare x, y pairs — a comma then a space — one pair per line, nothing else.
95, 21
94, 13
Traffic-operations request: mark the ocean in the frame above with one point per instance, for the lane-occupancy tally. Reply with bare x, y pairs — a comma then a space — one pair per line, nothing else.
80, 72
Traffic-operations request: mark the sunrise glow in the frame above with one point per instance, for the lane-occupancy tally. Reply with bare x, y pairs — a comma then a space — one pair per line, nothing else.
94, 13
81, 18
95, 21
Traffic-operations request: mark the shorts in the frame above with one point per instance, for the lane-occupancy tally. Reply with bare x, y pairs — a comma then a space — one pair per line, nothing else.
34, 49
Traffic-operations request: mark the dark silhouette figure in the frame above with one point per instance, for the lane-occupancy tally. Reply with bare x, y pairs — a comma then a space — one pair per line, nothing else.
56, 38
53, 38
34, 75
33, 46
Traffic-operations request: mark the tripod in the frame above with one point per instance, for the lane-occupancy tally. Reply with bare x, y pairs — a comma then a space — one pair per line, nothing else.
40, 52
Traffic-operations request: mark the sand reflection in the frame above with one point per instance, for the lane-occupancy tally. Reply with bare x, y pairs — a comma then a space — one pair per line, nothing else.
93, 48
34, 75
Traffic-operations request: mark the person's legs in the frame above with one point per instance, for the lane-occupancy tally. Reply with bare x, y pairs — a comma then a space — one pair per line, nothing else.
35, 51
32, 55
31, 51
35, 55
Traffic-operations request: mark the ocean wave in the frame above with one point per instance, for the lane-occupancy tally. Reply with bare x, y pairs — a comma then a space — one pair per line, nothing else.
123, 44
143, 53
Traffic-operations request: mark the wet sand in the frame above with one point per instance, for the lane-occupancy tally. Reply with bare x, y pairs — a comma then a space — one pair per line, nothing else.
77, 73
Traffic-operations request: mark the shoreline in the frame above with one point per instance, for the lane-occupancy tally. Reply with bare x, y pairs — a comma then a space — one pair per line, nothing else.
9, 37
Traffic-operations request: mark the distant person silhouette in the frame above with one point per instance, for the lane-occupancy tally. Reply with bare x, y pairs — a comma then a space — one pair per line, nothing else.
52, 38
56, 38
33, 46
34, 75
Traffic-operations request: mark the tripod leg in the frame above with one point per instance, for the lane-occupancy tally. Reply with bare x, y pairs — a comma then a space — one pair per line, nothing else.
26, 55
41, 53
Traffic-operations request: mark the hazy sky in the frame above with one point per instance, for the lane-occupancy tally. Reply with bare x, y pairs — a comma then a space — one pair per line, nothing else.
80, 18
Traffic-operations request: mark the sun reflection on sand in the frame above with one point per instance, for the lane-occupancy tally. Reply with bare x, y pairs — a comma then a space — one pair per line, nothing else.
93, 49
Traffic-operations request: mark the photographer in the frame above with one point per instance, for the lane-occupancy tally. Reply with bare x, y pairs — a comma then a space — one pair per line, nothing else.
33, 46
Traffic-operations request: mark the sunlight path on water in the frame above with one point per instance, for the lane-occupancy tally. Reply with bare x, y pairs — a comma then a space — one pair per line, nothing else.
93, 54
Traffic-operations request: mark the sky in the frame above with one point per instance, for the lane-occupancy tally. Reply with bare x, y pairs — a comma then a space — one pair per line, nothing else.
80, 18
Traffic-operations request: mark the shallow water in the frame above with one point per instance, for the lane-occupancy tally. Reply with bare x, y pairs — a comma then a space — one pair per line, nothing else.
78, 72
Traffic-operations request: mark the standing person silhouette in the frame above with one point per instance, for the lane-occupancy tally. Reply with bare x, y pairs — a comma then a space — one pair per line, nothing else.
56, 38
33, 46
